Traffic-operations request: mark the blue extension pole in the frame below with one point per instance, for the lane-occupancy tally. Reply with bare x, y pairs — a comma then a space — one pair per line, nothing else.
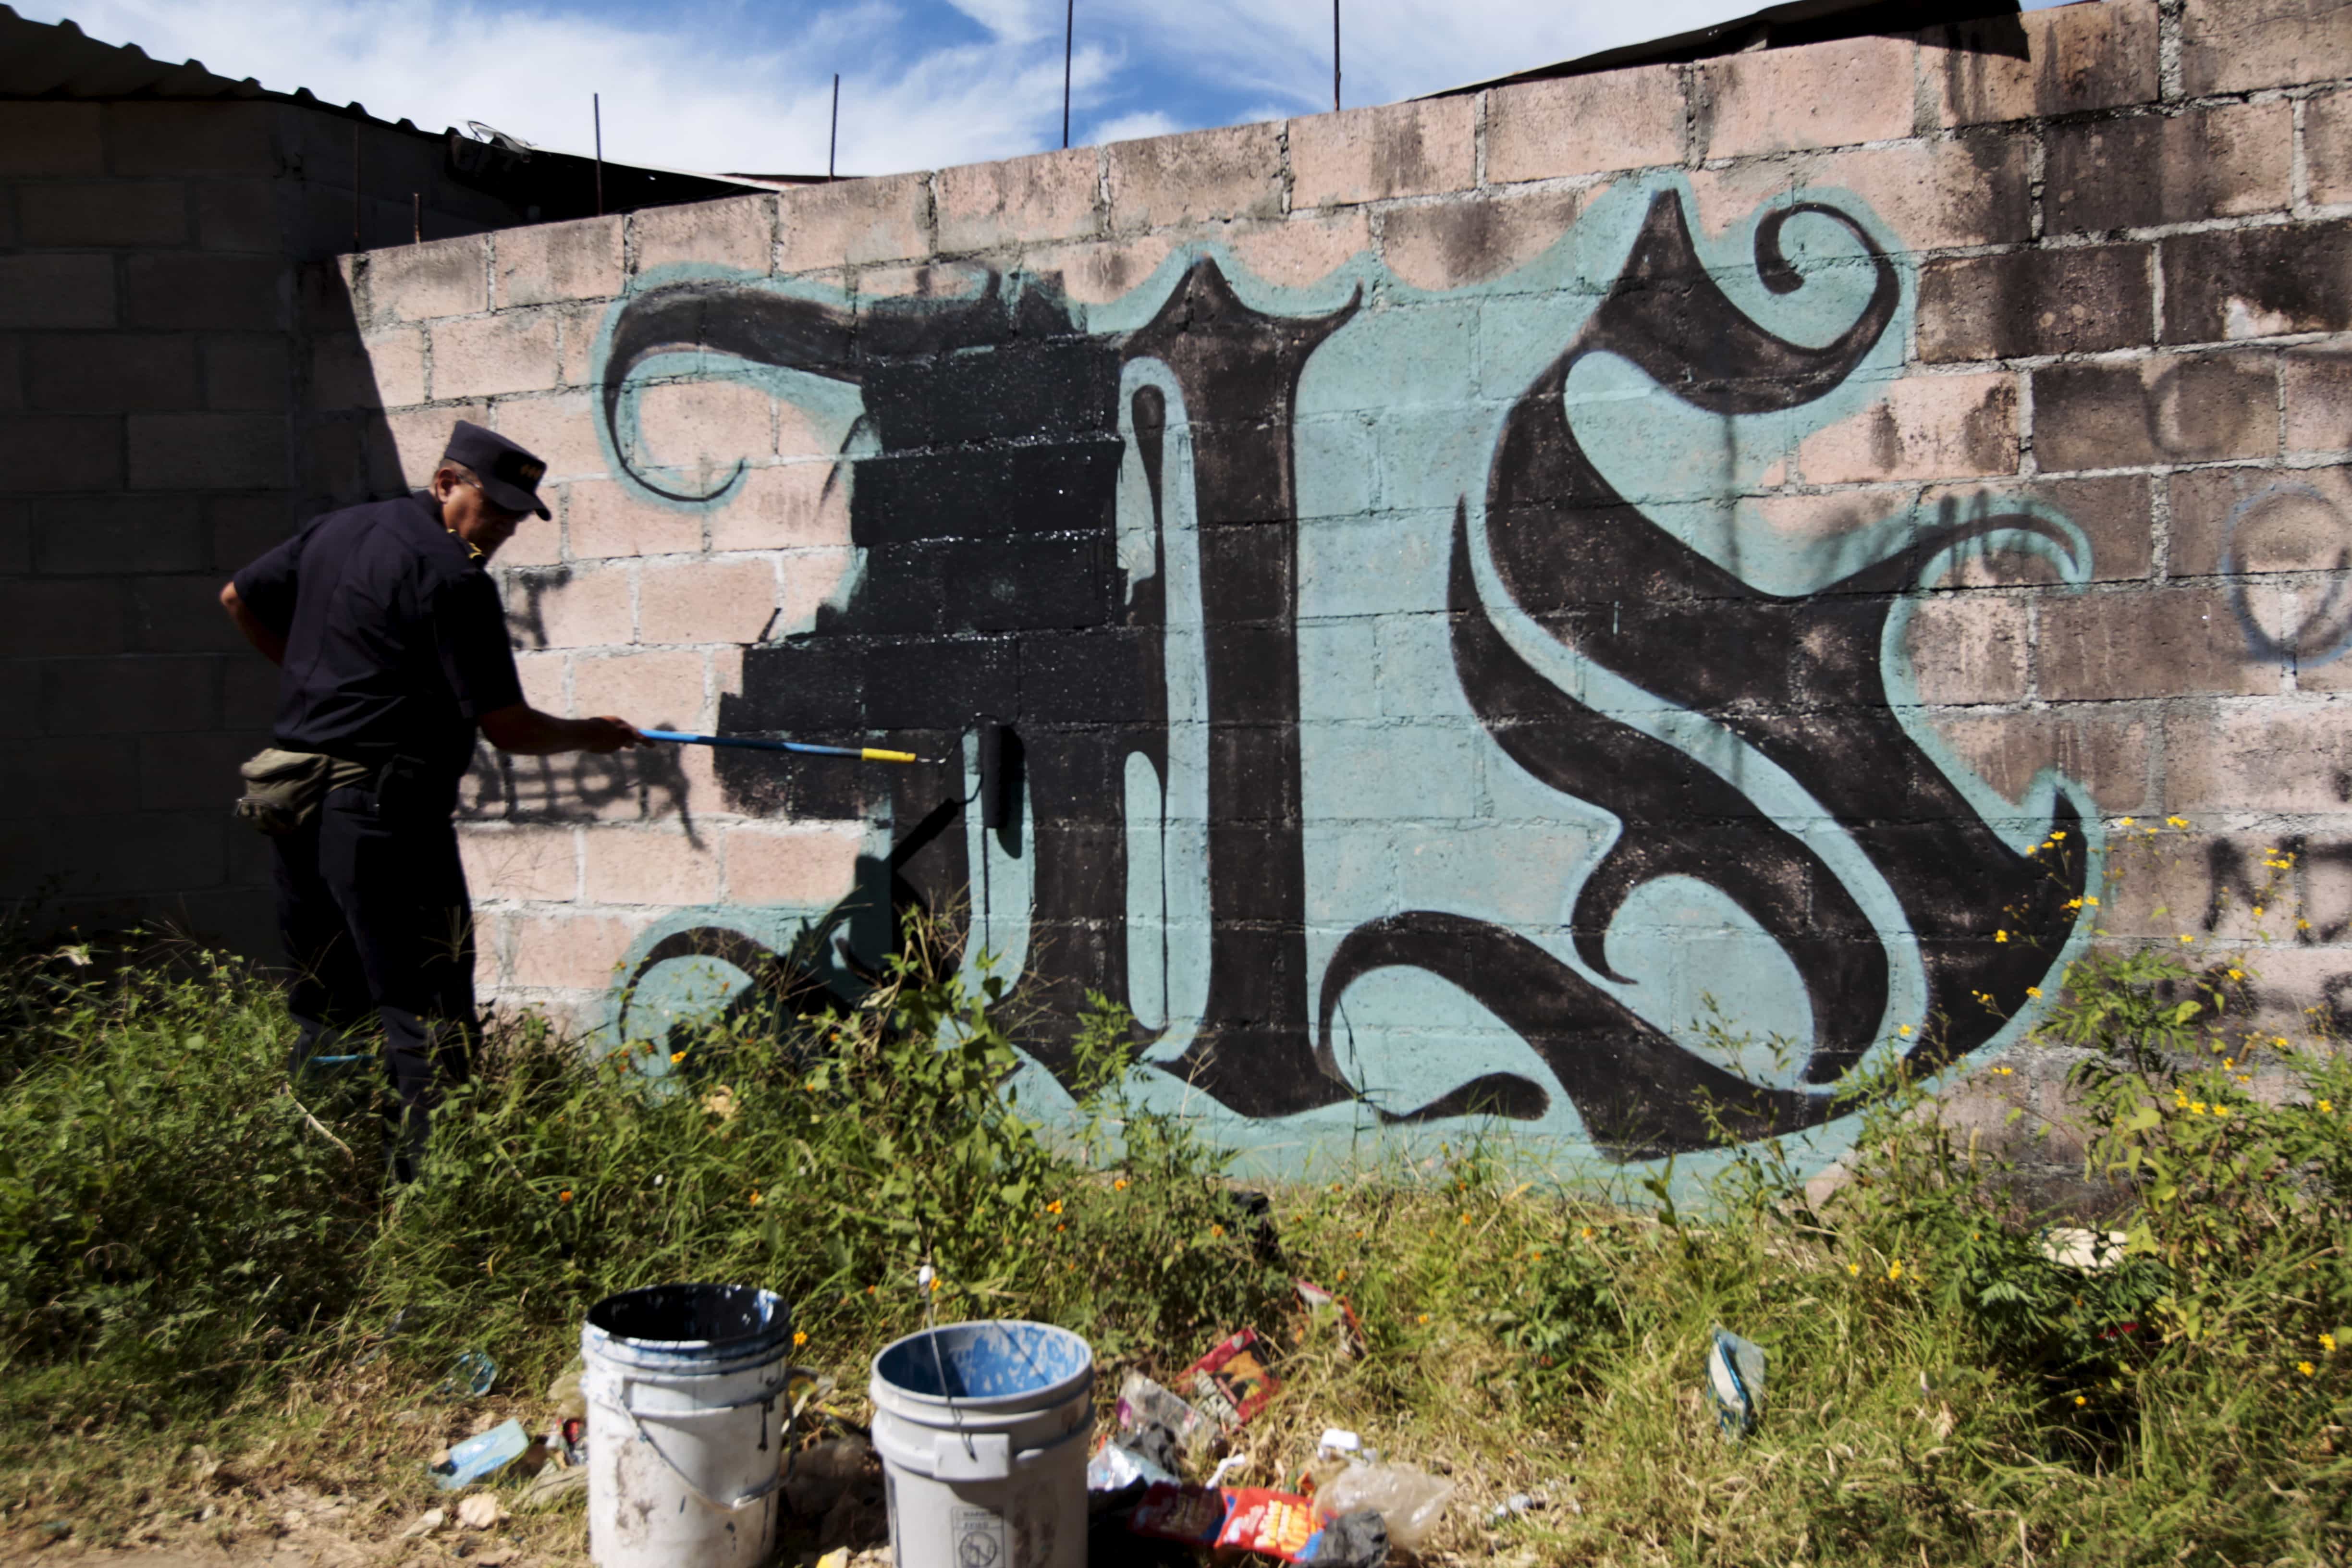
744, 742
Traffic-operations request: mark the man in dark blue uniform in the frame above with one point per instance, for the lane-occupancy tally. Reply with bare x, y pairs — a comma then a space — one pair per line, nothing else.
394, 647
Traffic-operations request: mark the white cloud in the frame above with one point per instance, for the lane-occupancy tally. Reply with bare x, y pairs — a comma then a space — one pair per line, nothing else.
1134, 127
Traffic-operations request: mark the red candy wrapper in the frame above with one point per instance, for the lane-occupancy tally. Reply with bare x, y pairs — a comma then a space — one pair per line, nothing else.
1250, 1519
1230, 1382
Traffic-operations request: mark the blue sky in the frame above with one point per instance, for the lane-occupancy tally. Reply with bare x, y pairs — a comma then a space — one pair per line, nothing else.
729, 84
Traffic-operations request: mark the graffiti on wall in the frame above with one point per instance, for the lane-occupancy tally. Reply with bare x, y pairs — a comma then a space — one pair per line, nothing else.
1410, 711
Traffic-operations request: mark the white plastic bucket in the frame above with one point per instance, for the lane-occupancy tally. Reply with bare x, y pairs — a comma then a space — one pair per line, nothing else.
687, 1417
982, 1430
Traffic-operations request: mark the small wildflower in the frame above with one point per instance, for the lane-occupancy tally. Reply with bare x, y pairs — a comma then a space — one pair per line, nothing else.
2237, 974
2326, 1108
2125, 822
2092, 901
1424, 1320
1119, 1185
1895, 1271
2220, 1111
2073, 903
2258, 911
1216, 1230
1853, 1269
2035, 992
1054, 1207
564, 1197
2279, 1040
2005, 1072
2304, 1367
1588, 1230
675, 1058
2176, 822
935, 1285
2057, 834
1538, 1257
2327, 1343
1343, 1277
869, 1290
2082, 1399
2001, 936
1465, 1219
2195, 1108
1905, 1029
800, 1338
2185, 937
755, 1197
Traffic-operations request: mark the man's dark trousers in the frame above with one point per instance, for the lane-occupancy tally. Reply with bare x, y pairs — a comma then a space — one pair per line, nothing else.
373, 910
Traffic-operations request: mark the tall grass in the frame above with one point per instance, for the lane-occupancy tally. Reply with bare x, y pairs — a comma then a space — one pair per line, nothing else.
188, 1252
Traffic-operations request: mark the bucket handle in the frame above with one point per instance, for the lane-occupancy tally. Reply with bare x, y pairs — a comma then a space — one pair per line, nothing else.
638, 1420
990, 1456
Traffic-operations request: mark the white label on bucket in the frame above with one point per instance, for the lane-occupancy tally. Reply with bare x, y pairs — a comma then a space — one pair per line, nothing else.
979, 1535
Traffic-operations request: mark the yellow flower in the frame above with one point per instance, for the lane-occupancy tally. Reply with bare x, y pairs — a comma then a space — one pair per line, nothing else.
2195, 1108
564, 1197
2185, 937
1216, 1230
1905, 1029
2237, 974
2279, 1040
2304, 1367
800, 1338
2057, 834
2001, 936
2258, 911
2125, 822
2073, 903
2079, 1399
1538, 1257
675, 1058
1465, 1219
1895, 1271
1119, 1185
2035, 992
1424, 1320
1343, 1278
1588, 1230
2093, 902
1054, 1207
2176, 822
2326, 1108
2221, 1110
755, 1197
936, 1282
2327, 1343
2005, 1072
1853, 1269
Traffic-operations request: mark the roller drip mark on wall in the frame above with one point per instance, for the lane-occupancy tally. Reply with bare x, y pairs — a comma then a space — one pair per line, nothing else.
1368, 651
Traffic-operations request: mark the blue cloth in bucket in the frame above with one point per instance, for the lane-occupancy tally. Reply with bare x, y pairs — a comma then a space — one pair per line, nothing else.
984, 1360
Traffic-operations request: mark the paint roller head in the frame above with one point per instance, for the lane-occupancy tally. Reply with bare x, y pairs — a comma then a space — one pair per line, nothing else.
991, 772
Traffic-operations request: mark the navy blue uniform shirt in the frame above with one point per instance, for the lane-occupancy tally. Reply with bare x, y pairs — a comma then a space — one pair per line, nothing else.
395, 640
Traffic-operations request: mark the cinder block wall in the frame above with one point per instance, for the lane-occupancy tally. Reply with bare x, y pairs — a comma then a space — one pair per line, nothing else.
1472, 582
161, 318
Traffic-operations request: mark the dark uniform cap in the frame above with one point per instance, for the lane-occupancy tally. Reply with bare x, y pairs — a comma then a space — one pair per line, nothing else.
509, 475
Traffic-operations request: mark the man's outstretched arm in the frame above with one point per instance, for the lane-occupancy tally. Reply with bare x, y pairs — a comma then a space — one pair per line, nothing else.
523, 729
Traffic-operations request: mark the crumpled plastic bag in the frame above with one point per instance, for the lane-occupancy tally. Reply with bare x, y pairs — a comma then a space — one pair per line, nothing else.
1408, 1499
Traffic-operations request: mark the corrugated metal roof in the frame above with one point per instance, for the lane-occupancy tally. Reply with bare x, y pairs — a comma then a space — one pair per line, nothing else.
59, 60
